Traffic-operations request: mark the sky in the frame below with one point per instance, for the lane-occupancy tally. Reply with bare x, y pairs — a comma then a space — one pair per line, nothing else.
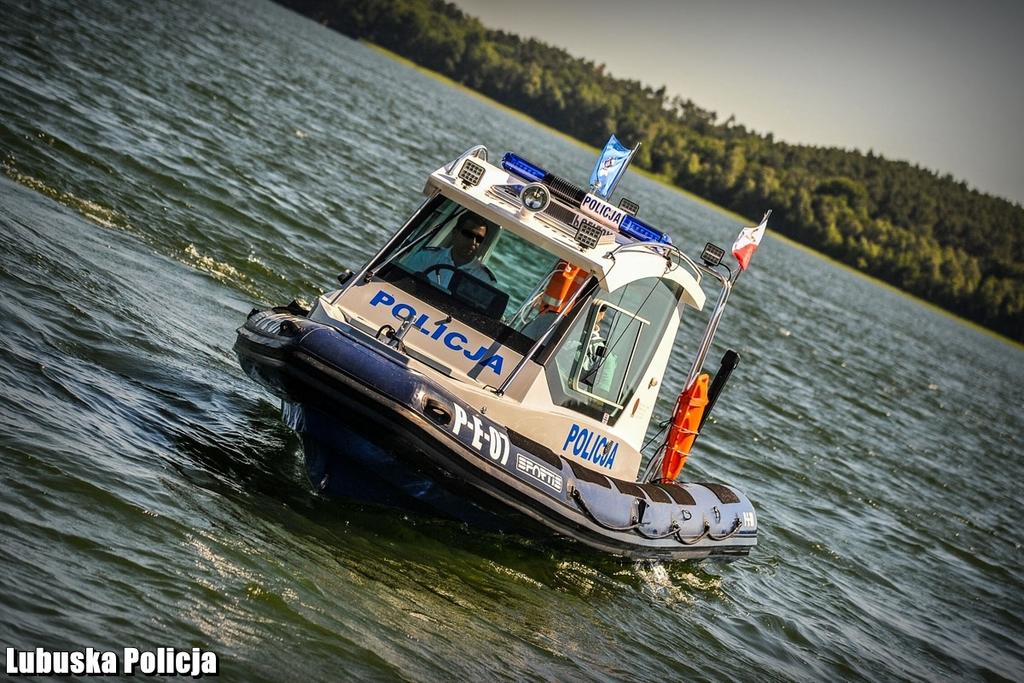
936, 83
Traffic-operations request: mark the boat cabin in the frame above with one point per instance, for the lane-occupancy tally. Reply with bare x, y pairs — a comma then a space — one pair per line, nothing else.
536, 302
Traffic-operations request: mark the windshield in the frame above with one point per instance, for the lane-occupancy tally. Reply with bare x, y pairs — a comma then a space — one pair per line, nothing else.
605, 354
480, 273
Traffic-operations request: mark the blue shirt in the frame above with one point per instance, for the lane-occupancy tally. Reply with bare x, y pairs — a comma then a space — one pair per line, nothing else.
428, 257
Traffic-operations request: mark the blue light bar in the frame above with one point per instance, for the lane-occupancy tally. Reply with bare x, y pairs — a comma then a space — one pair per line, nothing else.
638, 230
513, 163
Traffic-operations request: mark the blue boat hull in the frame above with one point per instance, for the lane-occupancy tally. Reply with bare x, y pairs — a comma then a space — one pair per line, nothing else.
373, 429
344, 462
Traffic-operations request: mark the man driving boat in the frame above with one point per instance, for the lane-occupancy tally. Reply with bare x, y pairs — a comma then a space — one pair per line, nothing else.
437, 264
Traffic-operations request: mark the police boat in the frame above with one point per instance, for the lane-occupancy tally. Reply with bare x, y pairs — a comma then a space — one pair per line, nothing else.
498, 362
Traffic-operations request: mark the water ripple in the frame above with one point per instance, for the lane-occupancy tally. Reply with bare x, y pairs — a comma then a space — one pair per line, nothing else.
161, 175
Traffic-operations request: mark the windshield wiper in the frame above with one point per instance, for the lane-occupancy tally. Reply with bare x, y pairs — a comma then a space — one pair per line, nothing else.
401, 252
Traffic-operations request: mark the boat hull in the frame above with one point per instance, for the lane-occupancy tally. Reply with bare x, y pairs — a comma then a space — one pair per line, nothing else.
377, 430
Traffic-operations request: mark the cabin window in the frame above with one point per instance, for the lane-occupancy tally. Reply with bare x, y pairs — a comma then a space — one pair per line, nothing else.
607, 351
489, 291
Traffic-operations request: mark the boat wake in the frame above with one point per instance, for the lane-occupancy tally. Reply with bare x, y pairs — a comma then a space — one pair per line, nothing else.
663, 585
94, 212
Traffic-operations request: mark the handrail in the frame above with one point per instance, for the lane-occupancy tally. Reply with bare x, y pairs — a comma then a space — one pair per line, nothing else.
712, 327
589, 286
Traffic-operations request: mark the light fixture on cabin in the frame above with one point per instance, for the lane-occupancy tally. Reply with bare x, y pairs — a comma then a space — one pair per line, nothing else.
712, 255
589, 234
471, 173
535, 197
629, 206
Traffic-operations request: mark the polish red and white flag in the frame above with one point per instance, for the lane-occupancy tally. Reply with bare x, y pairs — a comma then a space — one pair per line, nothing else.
746, 244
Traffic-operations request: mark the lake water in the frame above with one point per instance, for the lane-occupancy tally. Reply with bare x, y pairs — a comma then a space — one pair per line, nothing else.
166, 166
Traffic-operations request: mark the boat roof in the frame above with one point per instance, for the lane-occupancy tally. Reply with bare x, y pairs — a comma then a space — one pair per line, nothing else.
616, 259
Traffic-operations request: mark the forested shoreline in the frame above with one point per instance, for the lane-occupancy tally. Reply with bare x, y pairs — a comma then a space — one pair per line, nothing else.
925, 233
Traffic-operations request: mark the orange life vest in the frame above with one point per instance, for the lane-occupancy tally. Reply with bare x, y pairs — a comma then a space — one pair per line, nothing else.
685, 421
565, 280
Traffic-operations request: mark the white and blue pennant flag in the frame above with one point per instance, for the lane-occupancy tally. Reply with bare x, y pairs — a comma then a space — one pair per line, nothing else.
610, 165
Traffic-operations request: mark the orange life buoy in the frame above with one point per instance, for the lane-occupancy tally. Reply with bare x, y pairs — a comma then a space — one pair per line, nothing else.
565, 280
685, 421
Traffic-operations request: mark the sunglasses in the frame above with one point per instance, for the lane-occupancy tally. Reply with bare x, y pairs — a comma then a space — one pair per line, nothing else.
470, 235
